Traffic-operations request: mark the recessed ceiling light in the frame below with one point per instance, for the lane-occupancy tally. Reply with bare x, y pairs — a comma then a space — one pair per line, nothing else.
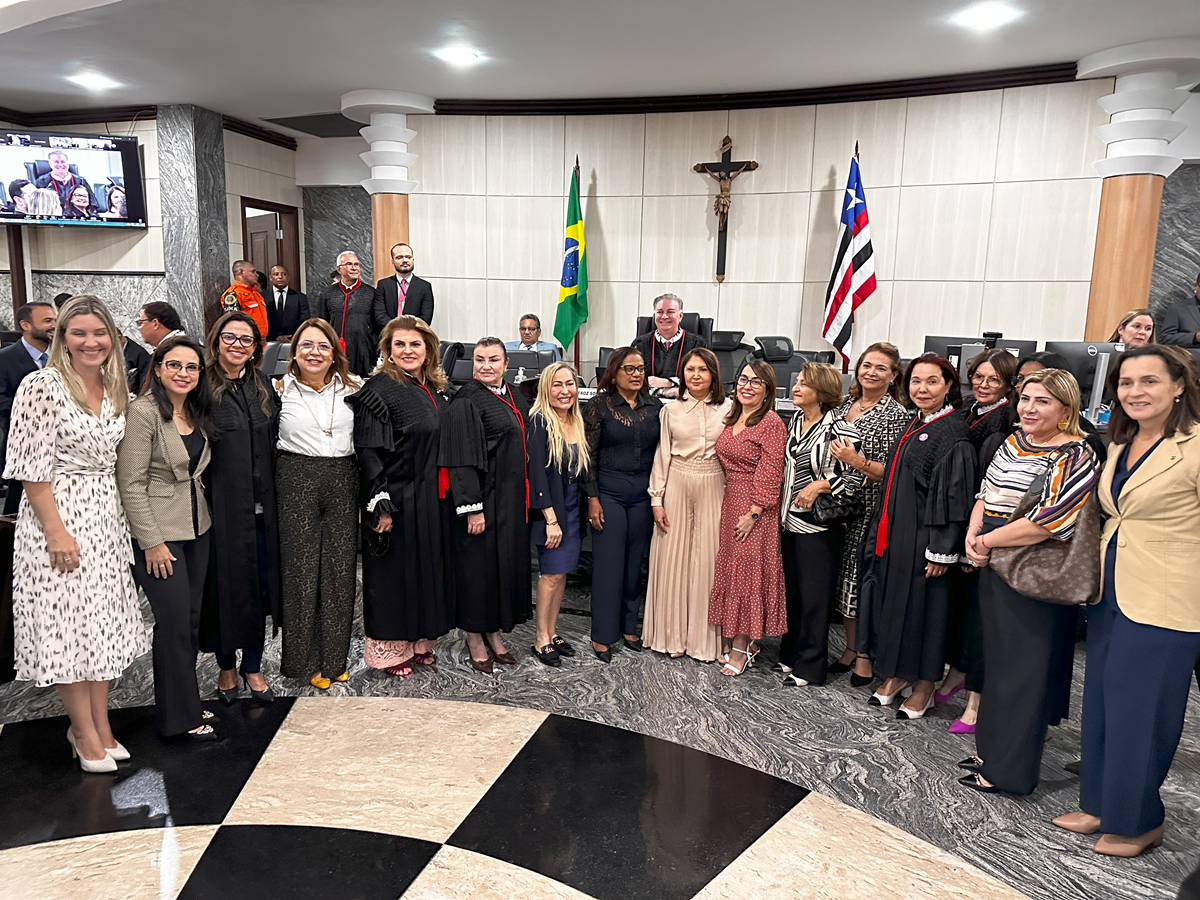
458, 56
93, 81
986, 16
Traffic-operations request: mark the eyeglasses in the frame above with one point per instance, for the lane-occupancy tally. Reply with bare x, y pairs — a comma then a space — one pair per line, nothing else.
320, 347
140, 322
228, 338
988, 381
755, 383
174, 365
634, 370
529, 328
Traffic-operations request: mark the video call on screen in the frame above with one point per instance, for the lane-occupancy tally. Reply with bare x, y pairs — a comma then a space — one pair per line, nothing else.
70, 179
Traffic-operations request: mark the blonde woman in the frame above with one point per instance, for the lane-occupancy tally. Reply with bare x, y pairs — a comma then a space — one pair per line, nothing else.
76, 616
686, 486
558, 459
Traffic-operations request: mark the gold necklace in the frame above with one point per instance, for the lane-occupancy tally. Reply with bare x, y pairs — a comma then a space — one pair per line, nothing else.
332, 409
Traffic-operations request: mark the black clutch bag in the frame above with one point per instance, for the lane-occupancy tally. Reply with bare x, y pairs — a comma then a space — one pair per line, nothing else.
834, 509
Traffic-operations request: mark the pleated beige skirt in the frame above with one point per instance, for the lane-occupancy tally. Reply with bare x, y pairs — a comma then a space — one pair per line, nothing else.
682, 562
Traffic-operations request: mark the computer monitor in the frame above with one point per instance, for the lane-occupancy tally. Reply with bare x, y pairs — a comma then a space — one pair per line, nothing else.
524, 359
1090, 362
941, 344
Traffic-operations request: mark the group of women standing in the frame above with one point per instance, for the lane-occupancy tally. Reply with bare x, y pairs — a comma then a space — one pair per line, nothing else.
949, 535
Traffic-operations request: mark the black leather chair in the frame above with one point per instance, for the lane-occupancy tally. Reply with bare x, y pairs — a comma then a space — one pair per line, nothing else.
821, 356
731, 353
461, 372
274, 359
691, 322
449, 353
776, 349
605, 353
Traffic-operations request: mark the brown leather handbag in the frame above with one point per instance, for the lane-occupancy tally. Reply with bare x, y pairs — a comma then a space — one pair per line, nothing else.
1066, 573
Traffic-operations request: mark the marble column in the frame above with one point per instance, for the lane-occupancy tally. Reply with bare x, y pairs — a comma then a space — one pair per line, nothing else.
389, 186
335, 219
191, 160
1149, 77
1177, 250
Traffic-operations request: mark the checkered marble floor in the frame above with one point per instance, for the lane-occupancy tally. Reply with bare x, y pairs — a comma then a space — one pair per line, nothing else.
372, 797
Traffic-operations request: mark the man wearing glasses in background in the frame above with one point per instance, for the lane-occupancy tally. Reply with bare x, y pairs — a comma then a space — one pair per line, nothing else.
530, 328
347, 305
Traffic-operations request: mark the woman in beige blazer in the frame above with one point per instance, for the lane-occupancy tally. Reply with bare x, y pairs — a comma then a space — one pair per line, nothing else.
1144, 635
159, 464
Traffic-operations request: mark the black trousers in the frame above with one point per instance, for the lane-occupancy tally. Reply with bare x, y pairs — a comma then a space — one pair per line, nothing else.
964, 631
617, 553
175, 601
810, 563
1027, 647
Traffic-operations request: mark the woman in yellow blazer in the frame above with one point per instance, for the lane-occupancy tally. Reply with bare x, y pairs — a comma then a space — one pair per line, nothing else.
1144, 635
159, 463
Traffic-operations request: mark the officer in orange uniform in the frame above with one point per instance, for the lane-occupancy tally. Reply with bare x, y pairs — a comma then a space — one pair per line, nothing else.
243, 294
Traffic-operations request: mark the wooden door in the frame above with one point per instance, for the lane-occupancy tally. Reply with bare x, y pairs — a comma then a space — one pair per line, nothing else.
271, 237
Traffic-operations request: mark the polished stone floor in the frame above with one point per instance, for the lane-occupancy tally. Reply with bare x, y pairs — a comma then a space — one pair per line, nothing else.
572, 782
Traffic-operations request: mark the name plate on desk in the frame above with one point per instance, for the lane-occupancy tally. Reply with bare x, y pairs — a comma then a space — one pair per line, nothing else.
586, 393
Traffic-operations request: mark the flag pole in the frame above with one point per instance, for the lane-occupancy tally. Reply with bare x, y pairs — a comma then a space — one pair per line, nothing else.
576, 341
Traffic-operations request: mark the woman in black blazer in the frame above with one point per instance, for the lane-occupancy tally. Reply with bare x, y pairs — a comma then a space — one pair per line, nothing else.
558, 458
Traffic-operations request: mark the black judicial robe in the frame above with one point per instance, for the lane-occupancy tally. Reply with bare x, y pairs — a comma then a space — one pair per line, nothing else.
483, 447
397, 431
667, 361
362, 350
240, 476
964, 638
928, 493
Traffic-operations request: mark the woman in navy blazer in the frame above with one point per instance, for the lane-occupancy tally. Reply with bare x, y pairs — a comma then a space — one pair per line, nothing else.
558, 459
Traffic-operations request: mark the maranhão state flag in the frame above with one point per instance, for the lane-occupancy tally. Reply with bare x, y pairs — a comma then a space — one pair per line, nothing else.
853, 277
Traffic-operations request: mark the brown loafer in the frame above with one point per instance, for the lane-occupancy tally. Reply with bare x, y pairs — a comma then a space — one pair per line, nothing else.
506, 658
485, 666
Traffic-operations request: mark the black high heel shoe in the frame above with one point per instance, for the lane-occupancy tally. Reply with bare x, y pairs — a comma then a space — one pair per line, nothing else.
228, 695
267, 696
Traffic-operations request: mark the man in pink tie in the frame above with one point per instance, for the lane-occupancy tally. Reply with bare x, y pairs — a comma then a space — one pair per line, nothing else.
402, 294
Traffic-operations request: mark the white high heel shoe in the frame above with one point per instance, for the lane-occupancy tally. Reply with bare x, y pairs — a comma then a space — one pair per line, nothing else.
905, 713
117, 753
878, 699
108, 764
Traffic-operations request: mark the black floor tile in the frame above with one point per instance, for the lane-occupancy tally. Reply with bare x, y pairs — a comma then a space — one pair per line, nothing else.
45, 797
289, 862
621, 816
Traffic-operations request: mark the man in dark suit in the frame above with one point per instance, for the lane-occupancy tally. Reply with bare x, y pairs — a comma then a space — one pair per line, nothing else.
36, 322
286, 307
403, 293
1180, 322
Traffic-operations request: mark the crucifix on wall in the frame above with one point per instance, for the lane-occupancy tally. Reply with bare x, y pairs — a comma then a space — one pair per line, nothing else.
724, 171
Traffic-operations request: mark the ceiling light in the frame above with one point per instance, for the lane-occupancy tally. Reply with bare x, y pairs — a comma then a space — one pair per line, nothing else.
92, 81
457, 56
986, 16
4, 3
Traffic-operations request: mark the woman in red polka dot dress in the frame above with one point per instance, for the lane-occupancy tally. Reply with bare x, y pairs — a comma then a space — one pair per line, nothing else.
747, 598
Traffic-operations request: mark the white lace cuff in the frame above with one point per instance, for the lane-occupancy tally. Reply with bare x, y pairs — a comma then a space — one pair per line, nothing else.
942, 559
469, 508
374, 501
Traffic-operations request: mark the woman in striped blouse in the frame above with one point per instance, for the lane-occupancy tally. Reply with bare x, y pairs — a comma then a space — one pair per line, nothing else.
1027, 644
810, 558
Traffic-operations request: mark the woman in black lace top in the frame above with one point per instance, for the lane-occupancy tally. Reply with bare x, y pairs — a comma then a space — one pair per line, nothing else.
622, 429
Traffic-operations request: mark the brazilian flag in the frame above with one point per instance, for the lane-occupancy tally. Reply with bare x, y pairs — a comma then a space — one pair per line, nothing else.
572, 292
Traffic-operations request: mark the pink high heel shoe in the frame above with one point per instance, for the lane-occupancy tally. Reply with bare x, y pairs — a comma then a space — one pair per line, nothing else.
960, 727
946, 698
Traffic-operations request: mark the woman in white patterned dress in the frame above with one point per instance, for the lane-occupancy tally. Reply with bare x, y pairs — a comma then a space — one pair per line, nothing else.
77, 620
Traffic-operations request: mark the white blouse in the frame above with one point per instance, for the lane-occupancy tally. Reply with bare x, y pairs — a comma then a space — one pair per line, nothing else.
316, 423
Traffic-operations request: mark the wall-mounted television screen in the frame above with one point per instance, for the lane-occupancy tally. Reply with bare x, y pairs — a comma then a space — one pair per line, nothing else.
56, 178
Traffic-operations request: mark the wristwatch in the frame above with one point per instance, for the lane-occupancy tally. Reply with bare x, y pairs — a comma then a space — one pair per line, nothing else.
755, 516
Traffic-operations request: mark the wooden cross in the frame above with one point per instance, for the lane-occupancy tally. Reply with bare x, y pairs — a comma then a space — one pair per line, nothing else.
724, 171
